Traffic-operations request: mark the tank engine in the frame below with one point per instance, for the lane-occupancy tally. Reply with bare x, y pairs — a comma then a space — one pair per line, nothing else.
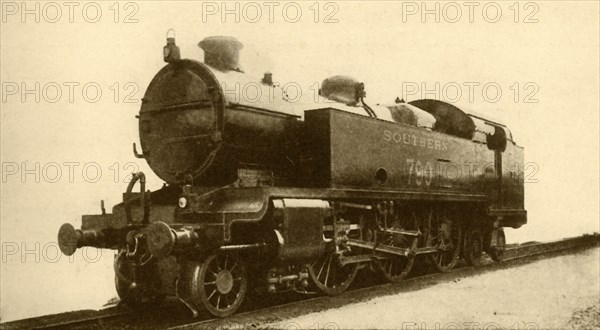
283, 195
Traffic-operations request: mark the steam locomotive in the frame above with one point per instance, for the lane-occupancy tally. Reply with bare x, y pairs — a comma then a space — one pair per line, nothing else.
280, 195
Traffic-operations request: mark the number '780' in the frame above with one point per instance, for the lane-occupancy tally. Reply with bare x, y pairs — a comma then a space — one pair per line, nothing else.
422, 173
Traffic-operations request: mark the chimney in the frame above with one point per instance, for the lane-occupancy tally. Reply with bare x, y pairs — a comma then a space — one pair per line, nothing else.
222, 53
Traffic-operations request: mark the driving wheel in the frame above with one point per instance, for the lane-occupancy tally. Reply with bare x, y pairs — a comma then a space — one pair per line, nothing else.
474, 247
447, 243
395, 268
329, 276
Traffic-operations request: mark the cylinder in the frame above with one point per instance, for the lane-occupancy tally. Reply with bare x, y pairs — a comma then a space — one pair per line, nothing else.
162, 239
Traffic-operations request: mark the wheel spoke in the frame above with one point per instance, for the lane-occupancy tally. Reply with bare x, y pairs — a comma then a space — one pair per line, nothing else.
227, 300
212, 294
321, 270
328, 267
218, 263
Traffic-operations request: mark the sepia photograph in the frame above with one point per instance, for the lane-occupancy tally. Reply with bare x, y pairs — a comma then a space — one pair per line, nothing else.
386, 164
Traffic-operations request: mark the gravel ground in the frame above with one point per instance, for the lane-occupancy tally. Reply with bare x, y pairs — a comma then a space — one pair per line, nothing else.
557, 293
586, 318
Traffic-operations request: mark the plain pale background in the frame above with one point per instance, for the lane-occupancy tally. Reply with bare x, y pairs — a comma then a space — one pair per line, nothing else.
370, 41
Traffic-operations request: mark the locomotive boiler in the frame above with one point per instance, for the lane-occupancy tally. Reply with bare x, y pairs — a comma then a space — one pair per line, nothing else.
267, 192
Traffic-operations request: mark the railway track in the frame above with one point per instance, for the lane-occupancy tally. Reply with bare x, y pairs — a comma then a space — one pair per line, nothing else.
83, 321
173, 316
